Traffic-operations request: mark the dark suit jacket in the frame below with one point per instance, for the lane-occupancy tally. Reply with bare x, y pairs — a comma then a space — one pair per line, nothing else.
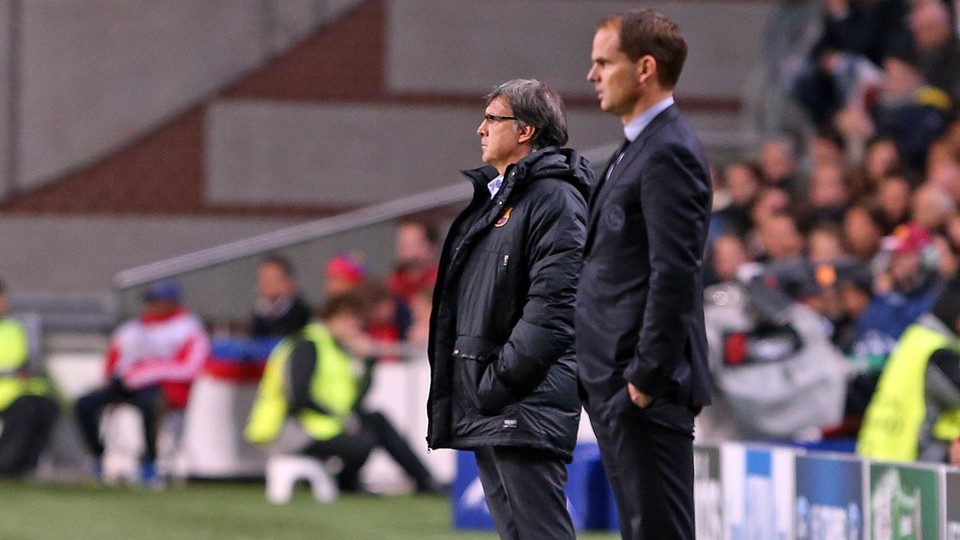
639, 314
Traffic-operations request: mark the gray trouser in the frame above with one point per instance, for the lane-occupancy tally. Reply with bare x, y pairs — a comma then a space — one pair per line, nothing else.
524, 490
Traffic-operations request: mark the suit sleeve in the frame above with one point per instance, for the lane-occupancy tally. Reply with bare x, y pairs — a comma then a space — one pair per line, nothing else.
544, 332
675, 198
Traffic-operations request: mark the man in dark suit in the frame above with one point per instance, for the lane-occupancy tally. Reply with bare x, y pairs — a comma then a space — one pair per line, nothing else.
640, 339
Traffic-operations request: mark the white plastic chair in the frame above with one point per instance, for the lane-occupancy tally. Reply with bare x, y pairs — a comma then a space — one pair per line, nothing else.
284, 470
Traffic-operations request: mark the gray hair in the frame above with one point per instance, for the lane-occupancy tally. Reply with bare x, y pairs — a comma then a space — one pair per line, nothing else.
535, 105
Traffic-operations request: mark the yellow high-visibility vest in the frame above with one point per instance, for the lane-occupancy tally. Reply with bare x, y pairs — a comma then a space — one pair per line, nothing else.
14, 353
892, 423
334, 387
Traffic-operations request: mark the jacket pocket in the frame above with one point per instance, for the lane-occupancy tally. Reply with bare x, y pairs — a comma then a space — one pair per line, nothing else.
493, 394
471, 357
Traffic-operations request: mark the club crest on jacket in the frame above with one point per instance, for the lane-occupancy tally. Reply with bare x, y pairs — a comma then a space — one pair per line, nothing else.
504, 218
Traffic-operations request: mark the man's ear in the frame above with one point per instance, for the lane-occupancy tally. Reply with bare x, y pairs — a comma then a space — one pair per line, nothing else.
646, 69
525, 134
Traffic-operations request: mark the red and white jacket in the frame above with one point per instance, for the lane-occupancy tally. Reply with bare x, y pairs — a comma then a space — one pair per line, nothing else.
167, 350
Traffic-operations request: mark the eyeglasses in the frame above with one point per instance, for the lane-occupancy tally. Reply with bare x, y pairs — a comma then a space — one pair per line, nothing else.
495, 118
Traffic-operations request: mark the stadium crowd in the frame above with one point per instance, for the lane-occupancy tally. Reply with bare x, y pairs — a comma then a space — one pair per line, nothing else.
849, 208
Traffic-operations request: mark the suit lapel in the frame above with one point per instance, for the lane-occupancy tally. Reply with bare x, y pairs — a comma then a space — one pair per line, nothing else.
630, 154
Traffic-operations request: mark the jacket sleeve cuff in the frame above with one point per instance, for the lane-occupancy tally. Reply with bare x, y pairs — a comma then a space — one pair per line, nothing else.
645, 380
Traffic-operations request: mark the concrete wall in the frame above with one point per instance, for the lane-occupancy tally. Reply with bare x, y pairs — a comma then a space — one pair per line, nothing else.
350, 153
96, 73
81, 255
294, 19
465, 47
5, 127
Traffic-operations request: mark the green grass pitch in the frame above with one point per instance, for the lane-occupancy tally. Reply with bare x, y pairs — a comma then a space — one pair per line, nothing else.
30, 511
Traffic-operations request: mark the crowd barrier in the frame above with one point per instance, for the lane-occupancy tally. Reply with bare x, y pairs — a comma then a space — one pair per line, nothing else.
762, 492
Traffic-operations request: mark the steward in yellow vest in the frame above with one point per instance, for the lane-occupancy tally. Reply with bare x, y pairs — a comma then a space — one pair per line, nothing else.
27, 414
305, 401
915, 412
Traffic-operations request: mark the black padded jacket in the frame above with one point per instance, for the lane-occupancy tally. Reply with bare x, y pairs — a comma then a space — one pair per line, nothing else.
503, 371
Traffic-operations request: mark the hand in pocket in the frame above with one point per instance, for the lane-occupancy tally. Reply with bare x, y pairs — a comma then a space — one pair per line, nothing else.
492, 392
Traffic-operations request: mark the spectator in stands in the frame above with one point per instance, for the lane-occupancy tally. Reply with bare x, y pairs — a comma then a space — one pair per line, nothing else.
937, 46
770, 201
905, 286
855, 38
914, 413
952, 232
905, 109
825, 244
421, 305
779, 165
931, 207
280, 309
941, 152
344, 273
387, 316
948, 263
151, 363
855, 286
826, 147
728, 253
417, 245
952, 134
27, 412
880, 159
893, 200
782, 241
862, 230
742, 179
828, 195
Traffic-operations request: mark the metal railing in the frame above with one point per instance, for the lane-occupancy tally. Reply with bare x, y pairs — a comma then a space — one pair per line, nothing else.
313, 230
352, 220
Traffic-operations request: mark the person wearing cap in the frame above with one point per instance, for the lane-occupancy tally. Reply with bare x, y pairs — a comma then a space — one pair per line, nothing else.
27, 412
906, 285
344, 273
151, 363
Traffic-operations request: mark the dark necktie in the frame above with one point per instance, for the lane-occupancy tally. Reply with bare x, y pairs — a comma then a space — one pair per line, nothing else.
617, 156
614, 160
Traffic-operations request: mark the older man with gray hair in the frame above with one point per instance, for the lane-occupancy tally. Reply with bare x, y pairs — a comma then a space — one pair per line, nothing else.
504, 380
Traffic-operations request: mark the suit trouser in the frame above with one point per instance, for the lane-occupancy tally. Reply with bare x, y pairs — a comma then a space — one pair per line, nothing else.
524, 490
647, 455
